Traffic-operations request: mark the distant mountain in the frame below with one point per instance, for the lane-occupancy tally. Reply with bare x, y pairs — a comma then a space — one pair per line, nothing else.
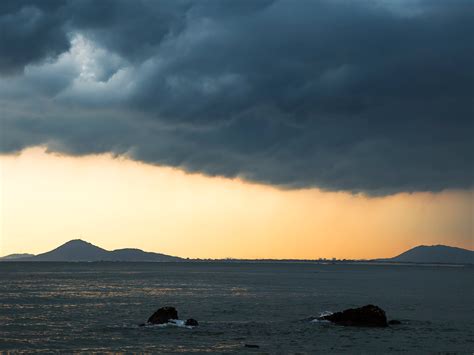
435, 254
140, 255
12, 257
74, 250
79, 250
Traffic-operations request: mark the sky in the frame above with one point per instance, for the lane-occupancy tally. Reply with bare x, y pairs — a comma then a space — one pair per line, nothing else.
253, 129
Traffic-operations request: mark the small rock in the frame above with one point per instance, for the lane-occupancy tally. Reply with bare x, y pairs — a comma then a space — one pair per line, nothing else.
394, 322
163, 315
367, 316
191, 322
251, 346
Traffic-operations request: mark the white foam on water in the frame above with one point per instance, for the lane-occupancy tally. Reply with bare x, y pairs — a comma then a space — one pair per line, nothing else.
171, 323
322, 314
316, 320
325, 313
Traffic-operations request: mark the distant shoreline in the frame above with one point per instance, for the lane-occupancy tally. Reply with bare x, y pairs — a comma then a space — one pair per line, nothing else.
243, 261
78, 250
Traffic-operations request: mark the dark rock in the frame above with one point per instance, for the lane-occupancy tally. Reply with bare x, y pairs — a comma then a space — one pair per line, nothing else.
141, 324
191, 322
367, 316
251, 346
163, 315
394, 322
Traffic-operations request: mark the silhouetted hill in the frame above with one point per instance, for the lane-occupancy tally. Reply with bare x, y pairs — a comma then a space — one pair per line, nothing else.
140, 255
13, 257
435, 254
74, 250
79, 250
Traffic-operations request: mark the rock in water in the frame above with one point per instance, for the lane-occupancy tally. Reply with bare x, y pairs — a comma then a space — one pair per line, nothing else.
394, 322
191, 322
252, 346
163, 315
367, 316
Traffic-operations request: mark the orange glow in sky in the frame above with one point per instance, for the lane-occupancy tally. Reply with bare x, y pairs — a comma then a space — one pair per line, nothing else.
48, 199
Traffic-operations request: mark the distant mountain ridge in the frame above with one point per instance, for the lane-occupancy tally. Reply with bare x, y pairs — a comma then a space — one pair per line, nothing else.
80, 250
12, 257
435, 254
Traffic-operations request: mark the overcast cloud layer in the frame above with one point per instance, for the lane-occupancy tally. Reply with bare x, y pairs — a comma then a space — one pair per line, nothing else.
361, 96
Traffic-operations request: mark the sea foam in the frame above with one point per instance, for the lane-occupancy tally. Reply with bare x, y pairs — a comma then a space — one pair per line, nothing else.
322, 314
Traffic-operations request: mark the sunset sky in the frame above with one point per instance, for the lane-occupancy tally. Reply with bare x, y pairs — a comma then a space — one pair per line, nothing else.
117, 203
249, 129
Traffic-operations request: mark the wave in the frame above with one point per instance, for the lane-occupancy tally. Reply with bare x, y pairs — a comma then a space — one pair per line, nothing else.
171, 323
321, 314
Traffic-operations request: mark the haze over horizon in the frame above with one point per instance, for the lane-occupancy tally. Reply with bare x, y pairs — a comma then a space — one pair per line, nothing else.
78, 249
122, 203
250, 129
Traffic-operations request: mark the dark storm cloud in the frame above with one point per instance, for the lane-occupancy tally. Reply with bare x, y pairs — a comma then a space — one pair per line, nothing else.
29, 32
370, 96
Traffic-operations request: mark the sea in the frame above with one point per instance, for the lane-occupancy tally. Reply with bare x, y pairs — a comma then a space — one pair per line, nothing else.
241, 307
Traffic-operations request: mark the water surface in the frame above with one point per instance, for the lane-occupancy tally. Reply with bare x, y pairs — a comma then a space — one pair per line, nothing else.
97, 307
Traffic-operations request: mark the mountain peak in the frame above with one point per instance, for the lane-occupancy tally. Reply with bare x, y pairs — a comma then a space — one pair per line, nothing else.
78, 244
74, 250
77, 241
81, 250
436, 254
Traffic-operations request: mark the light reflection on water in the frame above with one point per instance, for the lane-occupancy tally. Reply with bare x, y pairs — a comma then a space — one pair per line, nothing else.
98, 306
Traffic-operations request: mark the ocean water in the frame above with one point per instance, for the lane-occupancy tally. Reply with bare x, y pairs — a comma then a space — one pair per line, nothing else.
96, 307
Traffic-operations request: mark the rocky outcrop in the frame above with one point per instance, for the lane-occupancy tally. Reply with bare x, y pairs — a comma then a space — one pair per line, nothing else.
254, 346
169, 315
367, 316
163, 315
191, 322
